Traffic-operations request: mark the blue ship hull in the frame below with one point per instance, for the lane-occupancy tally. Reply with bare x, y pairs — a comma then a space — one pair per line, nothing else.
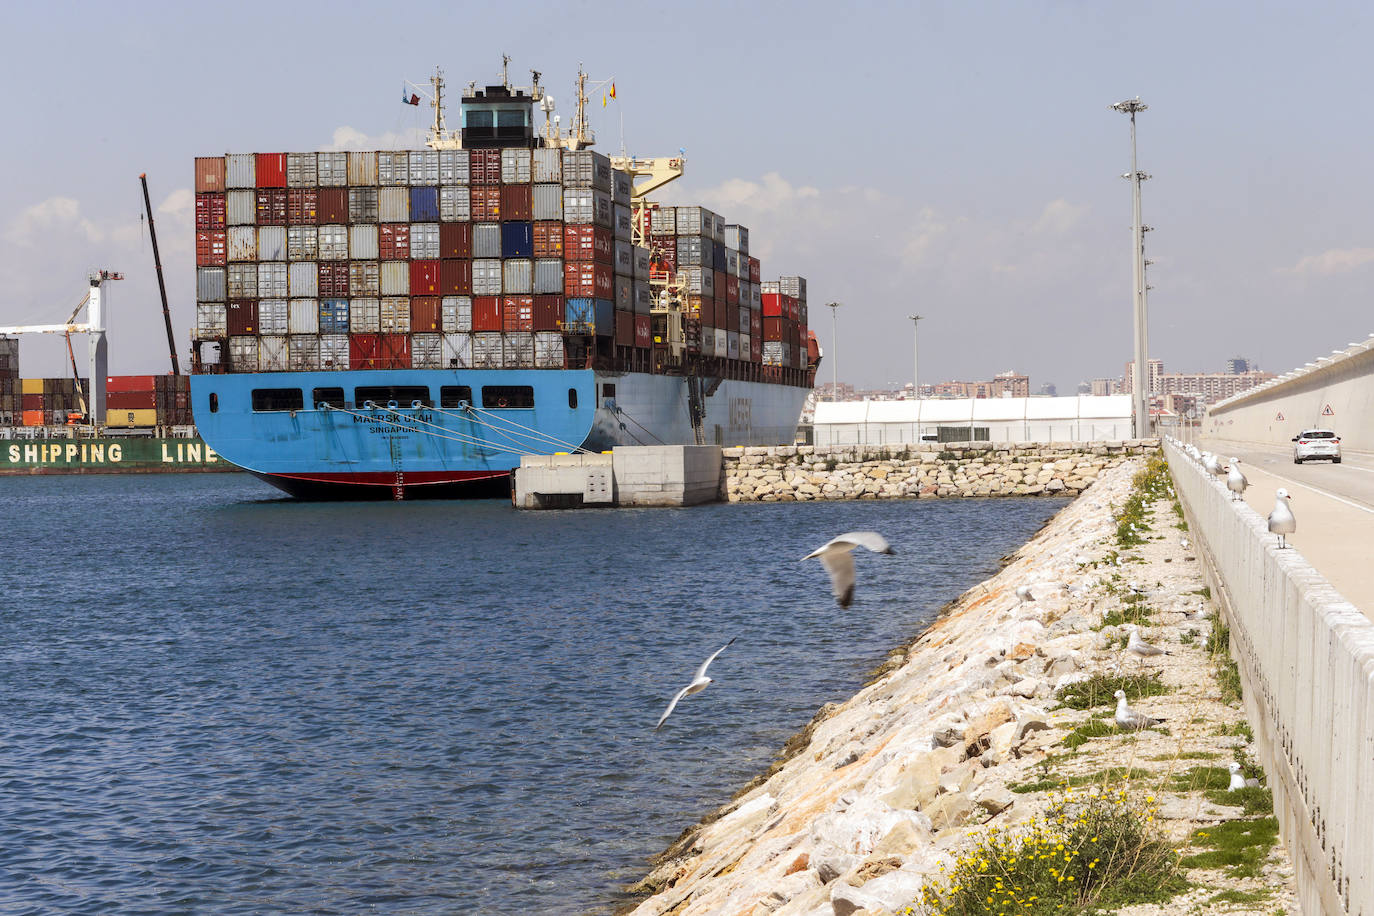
326, 447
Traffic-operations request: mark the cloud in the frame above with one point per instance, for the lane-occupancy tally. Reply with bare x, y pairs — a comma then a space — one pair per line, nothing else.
1335, 261
1058, 217
60, 214
349, 138
180, 204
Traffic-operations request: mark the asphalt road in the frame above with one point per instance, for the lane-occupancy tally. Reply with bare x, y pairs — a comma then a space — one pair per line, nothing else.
1334, 506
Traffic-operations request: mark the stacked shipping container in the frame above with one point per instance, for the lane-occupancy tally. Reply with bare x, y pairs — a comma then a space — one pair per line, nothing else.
131, 401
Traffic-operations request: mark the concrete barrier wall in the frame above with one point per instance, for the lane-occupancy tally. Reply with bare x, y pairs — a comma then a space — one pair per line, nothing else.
1344, 387
1306, 657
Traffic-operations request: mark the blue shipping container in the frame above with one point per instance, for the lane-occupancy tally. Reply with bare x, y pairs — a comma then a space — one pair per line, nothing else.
333, 316
517, 240
424, 205
589, 316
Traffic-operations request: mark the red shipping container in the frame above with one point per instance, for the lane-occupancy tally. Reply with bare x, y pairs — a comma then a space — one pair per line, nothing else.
517, 313
588, 243
486, 203
779, 329
455, 240
302, 206
455, 277
731, 317
363, 351
755, 323
731, 290
131, 383
393, 351
791, 307
755, 272
333, 278
424, 314
34, 418
484, 167
624, 328
548, 313
242, 316
517, 201
211, 248
271, 170
772, 305
755, 349
209, 173
131, 400
718, 284
31, 401
393, 239
424, 278
210, 211
548, 240
588, 280
333, 205
486, 313
644, 331
272, 206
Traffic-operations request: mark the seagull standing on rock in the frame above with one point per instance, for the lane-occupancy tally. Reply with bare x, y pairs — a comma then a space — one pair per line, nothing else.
1281, 520
837, 557
1126, 717
1023, 592
699, 683
1235, 480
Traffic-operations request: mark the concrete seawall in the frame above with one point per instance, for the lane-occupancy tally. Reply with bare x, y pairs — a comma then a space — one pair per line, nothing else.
1306, 657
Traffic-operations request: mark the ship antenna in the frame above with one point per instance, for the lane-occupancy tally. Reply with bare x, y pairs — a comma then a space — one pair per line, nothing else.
438, 131
505, 67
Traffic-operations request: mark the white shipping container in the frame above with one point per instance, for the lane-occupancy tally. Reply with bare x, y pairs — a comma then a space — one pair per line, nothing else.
731, 344
243, 354
770, 286
622, 186
586, 168
304, 352
395, 278
547, 199
424, 167
333, 351
744, 320
486, 240
240, 170
302, 243
624, 293
362, 169
271, 243
663, 221
722, 342
548, 276
547, 166
393, 205
488, 350
210, 283
623, 258
240, 208
737, 238
274, 354
775, 353
457, 353
700, 280
793, 286
455, 313
424, 241
455, 204
303, 279
708, 341
333, 242
426, 351
272, 280
587, 205
519, 350
332, 169
243, 281
303, 317
643, 258
717, 228
242, 243
755, 297
301, 170
273, 316
393, 168
364, 315
394, 317
517, 276
364, 278
362, 205
453, 166
695, 221
486, 277
362, 242
212, 319
548, 349
515, 166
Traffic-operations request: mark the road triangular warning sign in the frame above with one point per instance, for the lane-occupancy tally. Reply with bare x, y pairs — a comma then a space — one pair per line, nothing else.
1327, 411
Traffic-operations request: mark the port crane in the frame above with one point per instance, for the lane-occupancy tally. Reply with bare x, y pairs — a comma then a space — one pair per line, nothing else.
95, 302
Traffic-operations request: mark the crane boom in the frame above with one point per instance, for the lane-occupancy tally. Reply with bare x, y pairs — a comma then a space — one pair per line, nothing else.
161, 284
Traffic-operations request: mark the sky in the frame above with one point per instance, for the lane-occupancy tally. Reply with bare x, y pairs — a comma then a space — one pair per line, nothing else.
953, 160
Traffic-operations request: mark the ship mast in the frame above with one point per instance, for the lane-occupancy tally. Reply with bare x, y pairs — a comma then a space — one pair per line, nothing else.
440, 137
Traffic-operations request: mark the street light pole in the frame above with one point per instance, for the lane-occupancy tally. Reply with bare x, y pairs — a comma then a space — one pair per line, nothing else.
916, 355
1140, 395
834, 350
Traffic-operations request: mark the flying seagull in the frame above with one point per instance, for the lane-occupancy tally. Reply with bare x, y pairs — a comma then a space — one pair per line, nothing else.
838, 559
1140, 648
1239, 780
1281, 520
1126, 717
1235, 480
699, 683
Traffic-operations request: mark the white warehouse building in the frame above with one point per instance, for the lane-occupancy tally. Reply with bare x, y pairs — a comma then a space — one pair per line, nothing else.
1071, 419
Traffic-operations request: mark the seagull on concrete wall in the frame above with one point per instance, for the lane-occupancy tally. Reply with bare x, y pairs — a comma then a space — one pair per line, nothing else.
1281, 520
699, 683
838, 559
1126, 717
1210, 463
1235, 480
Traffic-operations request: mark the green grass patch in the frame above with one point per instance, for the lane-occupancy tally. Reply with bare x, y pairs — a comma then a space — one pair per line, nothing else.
1241, 898
1189, 755
1103, 778
1205, 591
1201, 778
1253, 800
1099, 689
1133, 610
1241, 729
1093, 728
1227, 674
1239, 847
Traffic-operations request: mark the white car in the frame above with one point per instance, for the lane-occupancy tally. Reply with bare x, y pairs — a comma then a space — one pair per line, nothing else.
1316, 443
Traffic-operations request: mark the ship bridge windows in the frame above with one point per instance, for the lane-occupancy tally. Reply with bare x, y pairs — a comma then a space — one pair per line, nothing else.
327, 397
383, 395
507, 396
454, 395
278, 399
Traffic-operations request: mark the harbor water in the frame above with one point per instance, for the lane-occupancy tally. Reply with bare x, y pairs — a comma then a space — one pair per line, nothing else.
217, 700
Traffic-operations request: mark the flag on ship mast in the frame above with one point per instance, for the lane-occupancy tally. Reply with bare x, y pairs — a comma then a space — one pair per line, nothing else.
412, 99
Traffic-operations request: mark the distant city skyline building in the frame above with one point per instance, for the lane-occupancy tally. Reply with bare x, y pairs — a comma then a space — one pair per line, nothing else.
1239, 365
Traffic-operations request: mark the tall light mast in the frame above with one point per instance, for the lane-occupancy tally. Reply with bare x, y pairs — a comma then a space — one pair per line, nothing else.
916, 355
835, 347
1140, 373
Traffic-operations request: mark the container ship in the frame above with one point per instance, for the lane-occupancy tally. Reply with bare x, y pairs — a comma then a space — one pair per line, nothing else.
407, 324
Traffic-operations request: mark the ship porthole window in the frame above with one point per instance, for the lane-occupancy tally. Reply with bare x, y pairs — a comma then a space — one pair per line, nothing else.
214, 402
572, 398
